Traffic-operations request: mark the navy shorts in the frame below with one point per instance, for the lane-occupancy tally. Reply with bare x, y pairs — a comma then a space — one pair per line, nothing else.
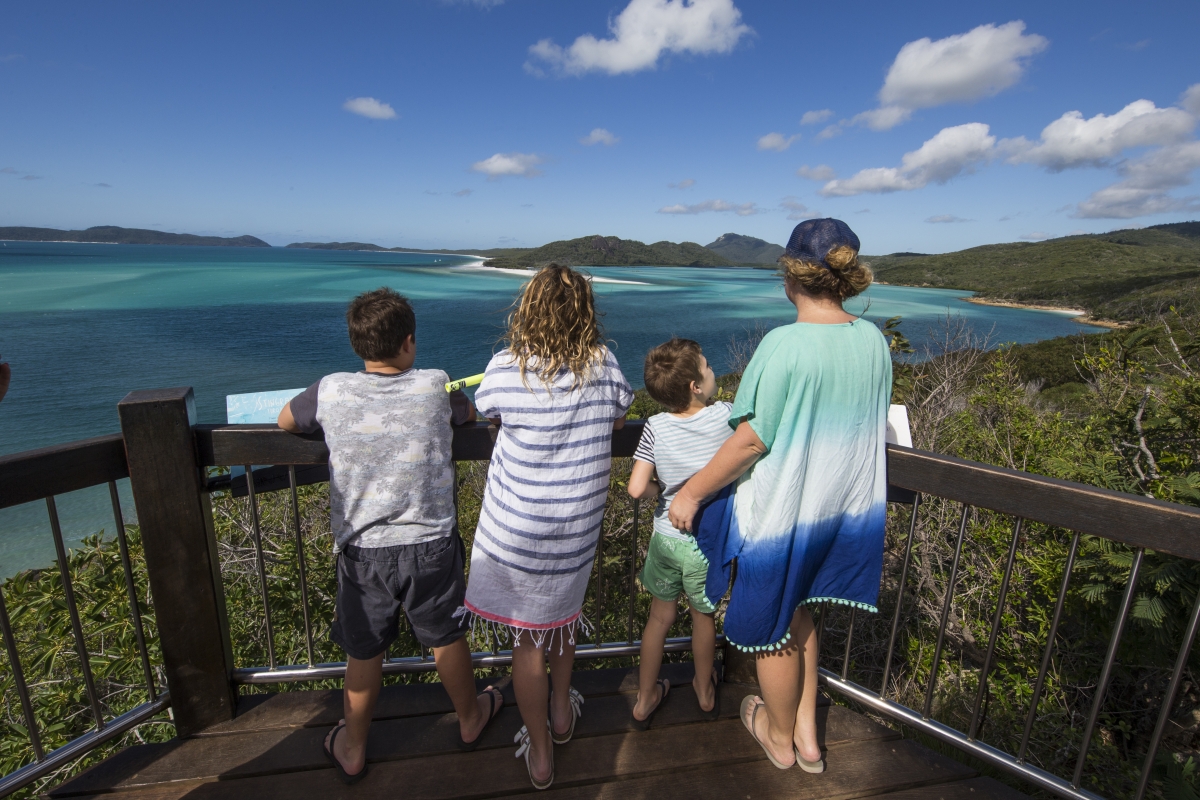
375, 583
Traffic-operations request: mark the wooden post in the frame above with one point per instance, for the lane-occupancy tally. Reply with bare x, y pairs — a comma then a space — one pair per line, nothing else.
181, 554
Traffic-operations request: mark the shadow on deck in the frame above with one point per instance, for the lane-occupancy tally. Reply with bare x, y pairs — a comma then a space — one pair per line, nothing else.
272, 749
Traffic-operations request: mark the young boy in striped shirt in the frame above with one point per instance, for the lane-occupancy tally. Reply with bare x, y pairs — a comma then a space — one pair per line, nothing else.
675, 445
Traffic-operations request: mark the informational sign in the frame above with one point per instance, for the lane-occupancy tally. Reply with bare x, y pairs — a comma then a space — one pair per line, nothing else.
898, 431
260, 407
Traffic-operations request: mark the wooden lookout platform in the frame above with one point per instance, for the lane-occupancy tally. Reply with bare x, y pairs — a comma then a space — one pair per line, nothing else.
272, 750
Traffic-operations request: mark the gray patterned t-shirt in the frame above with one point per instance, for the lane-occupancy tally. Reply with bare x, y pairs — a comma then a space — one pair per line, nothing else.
389, 438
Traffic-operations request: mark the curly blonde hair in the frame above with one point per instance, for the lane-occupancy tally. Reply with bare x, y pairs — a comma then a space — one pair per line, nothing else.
554, 320
844, 278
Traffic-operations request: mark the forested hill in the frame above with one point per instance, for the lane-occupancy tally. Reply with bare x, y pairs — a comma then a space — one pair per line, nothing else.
111, 234
1122, 275
609, 251
745, 249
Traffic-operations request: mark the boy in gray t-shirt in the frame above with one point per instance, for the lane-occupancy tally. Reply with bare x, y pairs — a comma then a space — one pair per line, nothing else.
391, 489
674, 447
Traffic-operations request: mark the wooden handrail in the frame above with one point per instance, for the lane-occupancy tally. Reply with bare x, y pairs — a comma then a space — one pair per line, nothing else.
37, 474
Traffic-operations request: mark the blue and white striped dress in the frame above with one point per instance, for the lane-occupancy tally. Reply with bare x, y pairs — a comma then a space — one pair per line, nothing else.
544, 499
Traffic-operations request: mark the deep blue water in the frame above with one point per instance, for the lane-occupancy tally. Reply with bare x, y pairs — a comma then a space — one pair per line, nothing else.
82, 325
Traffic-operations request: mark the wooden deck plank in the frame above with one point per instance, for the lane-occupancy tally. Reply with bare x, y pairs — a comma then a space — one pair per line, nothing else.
276, 751
716, 760
324, 708
974, 789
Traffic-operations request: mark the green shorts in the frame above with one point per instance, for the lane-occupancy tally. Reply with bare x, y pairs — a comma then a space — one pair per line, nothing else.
674, 566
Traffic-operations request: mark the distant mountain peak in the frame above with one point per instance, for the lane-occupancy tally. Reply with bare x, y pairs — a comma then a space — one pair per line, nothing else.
742, 249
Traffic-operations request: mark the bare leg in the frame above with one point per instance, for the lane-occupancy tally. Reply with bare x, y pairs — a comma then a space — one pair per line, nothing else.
458, 676
560, 678
359, 693
532, 690
662, 617
805, 736
704, 645
779, 676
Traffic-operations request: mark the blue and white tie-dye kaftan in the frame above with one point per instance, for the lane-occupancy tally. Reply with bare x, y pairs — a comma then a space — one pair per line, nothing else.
807, 521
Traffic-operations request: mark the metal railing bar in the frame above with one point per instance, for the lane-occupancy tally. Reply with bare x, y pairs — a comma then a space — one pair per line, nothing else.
14, 660
596, 636
912, 534
252, 497
131, 586
973, 731
64, 570
77, 747
941, 639
849, 640
416, 664
633, 558
1109, 659
308, 637
1040, 683
1164, 713
984, 752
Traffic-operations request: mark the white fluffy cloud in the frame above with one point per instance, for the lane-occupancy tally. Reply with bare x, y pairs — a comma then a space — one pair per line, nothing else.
502, 164
816, 117
776, 141
949, 153
1190, 99
369, 107
1145, 185
1072, 141
821, 172
599, 136
962, 68
640, 35
741, 209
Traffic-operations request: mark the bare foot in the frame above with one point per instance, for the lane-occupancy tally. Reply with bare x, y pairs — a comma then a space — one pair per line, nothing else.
489, 700
541, 764
646, 708
560, 713
706, 694
806, 745
352, 762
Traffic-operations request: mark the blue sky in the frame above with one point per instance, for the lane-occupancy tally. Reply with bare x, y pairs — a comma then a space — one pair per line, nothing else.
429, 123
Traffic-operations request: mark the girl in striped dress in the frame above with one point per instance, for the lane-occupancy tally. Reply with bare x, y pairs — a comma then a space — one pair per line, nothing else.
557, 394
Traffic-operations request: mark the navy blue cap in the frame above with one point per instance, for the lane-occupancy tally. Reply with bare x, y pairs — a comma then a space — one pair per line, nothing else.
813, 239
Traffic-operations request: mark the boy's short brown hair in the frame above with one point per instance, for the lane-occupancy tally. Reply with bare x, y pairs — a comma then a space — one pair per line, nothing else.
670, 370
379, 323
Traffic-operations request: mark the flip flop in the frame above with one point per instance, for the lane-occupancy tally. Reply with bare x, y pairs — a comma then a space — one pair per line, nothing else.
814, 767
644, 724
343, 776
756, 701
576, 712
715, 712
493, 704
522, 738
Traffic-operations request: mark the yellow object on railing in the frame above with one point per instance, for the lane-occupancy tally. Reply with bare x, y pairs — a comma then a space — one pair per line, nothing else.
462, 383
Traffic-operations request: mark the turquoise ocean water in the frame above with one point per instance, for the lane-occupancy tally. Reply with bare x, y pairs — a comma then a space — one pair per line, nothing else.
82, 325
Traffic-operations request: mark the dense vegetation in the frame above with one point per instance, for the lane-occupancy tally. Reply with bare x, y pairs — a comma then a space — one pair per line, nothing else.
1123, 275
609, 251
111, 234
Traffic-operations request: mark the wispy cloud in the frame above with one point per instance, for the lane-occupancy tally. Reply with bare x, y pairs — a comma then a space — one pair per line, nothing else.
1146, 184
821, 172
102, 185
479, 3
11, 57
776, 141
797, 210
599, 136
462, 192
816, 117
31, 177
641, 34
1135, 46
1037, 236
686, 183
830, 131
962, 68
741, 209
369, 107
8, 171
502, 164
947, 218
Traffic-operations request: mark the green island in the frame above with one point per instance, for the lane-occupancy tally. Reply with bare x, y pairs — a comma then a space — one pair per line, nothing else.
112, 234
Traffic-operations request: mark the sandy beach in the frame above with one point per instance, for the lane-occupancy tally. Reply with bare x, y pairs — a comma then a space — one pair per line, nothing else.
528, 273
1077, 314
